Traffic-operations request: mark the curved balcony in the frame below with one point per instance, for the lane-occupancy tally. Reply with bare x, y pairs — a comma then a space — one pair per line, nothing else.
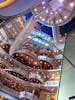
52, 83
8, 67
47, 62
28, 79
59, 56
31, 77
15, 83
18, 84
28, 52
43, 62
28, 96
45, 58
16, 95
18, 67
6, 96
6, 47
35, 76
34, 63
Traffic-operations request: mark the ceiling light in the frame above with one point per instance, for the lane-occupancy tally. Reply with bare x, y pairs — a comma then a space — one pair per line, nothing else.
46, 44
51, 13
26, 56
43, 2
22, 59
47, 11
35, 63
40, 17
60, 20
43, 19
43, 7
59, 9
72, 4
45, 63
35, 9
40, 61
29, 37
65, 17
65, 34
52, 89
61, 0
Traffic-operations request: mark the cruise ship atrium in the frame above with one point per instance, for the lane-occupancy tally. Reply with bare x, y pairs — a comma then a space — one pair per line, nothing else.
32, 41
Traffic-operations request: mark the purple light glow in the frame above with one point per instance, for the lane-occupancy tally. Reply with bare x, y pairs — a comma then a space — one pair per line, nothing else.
61, 1
43, 2
43, 7
51, 13
47, 11
59, 9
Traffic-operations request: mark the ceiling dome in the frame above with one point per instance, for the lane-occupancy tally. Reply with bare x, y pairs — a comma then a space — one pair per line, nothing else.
57, 12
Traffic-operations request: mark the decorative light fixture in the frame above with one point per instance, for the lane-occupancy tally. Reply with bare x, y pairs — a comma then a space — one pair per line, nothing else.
43, 2
65, 17
46, 4
72, 4
43, 19
35, 10
57, 21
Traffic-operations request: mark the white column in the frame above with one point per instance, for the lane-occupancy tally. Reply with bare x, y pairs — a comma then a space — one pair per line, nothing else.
22, 36
56, 31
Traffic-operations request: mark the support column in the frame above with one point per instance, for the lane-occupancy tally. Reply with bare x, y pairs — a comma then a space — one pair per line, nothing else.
56, 31
22, 36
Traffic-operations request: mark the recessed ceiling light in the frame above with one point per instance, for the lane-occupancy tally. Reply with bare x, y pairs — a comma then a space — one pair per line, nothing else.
35, 63
65, 17
72, 4
47, 11
60, 20
43, 7
59, 9
43, 2
46, 44
35, 9
61, 0
51, 13
43, 19
40, 17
